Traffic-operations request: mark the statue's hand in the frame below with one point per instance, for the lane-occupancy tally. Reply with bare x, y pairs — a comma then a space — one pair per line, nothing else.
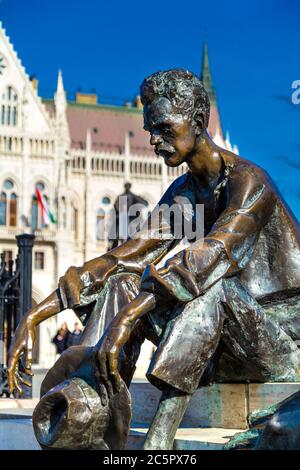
117, 335
70, 287
22, 346
110, 346
88, 279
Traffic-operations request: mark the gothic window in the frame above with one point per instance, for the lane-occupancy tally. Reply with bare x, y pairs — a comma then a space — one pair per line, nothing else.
9, 107
100, 225
13, 210
39, 260
8, 204
3, 208
106, 200
103, 218
8, 254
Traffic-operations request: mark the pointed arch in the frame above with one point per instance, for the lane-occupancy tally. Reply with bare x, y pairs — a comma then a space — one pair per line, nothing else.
8, 203
9, 106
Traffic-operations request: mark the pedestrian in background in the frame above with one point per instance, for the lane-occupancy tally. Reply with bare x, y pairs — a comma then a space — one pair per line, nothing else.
75, 336
61, 338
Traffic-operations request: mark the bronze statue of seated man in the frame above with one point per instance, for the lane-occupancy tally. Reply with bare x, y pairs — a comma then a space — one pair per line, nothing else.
226, 308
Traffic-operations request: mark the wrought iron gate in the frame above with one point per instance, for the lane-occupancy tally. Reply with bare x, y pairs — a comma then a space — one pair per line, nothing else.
15, 299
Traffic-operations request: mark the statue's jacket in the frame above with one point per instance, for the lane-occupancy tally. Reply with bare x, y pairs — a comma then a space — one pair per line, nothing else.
249, 231
247, 263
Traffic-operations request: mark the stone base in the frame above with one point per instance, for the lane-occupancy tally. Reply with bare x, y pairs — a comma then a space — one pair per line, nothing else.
187, 438
16, 433
216, 411
217, 406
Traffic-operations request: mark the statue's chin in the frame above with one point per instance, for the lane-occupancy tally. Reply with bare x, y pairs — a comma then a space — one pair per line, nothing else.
171, 162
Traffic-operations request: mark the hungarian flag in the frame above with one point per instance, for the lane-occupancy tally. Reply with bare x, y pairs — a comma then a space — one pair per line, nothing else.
47, 215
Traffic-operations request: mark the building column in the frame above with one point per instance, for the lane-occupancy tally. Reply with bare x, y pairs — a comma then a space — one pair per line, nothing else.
164, 177
127, 158
88, 226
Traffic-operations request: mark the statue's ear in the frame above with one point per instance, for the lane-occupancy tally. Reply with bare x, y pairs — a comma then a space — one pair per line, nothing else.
199, 121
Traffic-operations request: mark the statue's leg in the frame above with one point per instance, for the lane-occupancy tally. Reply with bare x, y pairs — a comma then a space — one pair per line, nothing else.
190, 338
167, 419
119, 290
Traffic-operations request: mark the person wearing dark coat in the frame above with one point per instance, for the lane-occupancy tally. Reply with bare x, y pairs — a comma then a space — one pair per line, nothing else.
74, 337
61, 338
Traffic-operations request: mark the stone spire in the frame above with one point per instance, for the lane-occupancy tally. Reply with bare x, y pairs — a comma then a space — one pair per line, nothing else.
60, 95
60, 102
63, 140
206, 76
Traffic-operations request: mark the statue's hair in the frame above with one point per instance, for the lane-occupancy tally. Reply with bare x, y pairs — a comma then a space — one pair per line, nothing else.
183, 88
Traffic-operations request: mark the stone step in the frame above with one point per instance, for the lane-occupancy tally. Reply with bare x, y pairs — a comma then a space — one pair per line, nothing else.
16, 433
217, 406
187, 438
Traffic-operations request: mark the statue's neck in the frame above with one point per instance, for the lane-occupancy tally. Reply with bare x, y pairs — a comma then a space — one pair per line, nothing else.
206, 162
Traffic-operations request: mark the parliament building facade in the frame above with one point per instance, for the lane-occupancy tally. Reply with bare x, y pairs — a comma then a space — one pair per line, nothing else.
78, 154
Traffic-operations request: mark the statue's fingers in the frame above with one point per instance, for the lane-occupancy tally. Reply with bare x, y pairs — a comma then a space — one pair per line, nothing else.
13, 366
14, 358
28, 371
69, 286
116, 381
28, 360
102, 363
108, 384
23, 381
109, 388
17, 381
11, 375
104, 374
103, 394
11, 380
114, 373
62, 290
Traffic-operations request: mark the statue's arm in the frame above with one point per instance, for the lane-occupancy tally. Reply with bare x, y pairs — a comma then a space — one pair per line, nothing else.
24, 338
226, 249
149, 245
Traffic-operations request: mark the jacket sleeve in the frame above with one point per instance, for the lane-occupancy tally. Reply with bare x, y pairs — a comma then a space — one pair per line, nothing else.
227, 248
156, 237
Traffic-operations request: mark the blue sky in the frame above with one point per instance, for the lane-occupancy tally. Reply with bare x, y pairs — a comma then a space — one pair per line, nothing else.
110, 46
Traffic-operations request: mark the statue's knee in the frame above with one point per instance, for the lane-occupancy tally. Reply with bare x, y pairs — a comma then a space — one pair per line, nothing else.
123, 283
124, 277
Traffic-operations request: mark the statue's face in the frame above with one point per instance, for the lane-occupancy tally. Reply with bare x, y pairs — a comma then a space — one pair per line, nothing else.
172, 134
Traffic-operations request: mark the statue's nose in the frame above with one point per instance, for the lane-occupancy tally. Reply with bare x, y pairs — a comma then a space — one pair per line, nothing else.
155, 139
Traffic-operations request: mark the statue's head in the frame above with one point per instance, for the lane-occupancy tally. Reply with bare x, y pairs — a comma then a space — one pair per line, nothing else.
176, 112
127, 187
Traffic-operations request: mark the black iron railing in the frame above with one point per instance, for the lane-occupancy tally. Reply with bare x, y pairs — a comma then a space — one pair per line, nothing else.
15, 299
